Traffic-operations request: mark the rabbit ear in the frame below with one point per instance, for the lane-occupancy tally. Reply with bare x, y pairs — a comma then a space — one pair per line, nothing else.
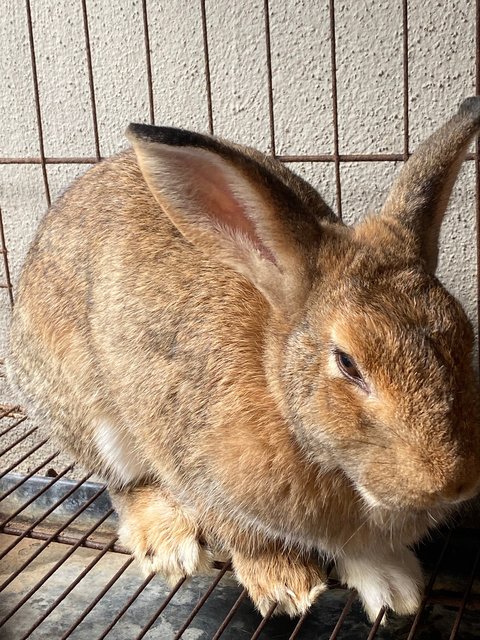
415, 207
233, 208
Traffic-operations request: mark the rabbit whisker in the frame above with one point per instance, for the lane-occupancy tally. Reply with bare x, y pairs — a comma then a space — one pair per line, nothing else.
351, 537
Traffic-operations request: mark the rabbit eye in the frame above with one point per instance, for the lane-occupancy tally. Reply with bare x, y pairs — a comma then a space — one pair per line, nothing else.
347, 366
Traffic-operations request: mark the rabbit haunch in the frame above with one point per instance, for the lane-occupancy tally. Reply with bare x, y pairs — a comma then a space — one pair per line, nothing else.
178, 325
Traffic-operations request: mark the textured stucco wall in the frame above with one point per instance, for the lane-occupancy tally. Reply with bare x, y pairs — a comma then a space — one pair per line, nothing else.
370, 95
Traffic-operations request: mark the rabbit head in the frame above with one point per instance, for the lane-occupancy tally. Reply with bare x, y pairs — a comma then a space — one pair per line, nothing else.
369, 358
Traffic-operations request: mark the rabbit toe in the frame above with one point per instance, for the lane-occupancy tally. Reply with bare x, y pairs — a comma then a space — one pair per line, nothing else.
291, 585
172, 554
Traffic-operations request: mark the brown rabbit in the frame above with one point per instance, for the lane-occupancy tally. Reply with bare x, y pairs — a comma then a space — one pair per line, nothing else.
250, 375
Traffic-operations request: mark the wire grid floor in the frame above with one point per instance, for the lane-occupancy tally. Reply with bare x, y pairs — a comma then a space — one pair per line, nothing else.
64, 575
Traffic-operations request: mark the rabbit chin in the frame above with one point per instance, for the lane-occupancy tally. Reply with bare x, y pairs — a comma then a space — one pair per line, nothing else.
374, 503
370, 500
440, 508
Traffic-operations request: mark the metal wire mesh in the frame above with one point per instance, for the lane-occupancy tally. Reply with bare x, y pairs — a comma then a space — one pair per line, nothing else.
145, 604
334, 157
70, 518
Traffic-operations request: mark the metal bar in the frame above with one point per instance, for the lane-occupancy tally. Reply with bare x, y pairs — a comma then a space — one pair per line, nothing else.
477, 157
51, 160
70, 588
159, 611
6, 412
428, 588
298, 626
269, 76
15, 463
208, 81
377, 623
6, 267
18, 440
349, 157
326, 157
230, 614
202, 601
336, 156
98, 597
468, 588
52, 536
12, 426
28, 476
88, 52
37, 100
51, 571
148, 61
34, 497
128, 604
264, 621
406, 127
15, 530
343, 615
43, 516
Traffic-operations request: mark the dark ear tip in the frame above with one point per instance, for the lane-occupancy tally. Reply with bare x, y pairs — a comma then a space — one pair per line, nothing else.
471, 107
136, 131
131, 132
166, 135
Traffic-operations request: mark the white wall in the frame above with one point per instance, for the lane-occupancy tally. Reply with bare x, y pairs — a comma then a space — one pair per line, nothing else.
370, 95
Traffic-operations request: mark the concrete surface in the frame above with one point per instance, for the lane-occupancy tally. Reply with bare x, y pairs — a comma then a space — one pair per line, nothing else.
370, 96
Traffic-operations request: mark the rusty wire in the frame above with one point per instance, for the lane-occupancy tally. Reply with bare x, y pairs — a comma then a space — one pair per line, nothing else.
18, 531
36, 530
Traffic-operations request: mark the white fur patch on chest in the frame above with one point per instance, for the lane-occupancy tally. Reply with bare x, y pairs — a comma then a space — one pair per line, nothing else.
118, 450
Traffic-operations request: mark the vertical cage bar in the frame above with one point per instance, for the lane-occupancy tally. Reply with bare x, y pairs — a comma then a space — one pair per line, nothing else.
376, 625
336, 154
93, 105
148, 62
229, 616
118, 574
201, 601
3, 249
263, 622
477, 157
341, 619
298, 627
31, 473
269, 75
466, 595
428, 589
151, 621
37, 100
406, 125
69, 588
127, 605
208, 81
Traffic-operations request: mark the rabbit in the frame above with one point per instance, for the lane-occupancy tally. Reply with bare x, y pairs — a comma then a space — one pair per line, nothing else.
249, 375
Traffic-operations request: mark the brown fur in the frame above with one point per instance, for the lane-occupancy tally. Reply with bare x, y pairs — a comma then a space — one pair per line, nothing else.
196, 320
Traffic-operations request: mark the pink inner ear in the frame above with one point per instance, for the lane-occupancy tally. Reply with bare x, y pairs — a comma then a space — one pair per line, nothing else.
223, 207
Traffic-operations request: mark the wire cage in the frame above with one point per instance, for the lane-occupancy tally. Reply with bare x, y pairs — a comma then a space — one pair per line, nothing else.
63, 573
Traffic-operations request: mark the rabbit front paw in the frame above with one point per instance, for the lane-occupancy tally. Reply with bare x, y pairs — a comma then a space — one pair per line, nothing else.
288, 581
161, 536
391, 581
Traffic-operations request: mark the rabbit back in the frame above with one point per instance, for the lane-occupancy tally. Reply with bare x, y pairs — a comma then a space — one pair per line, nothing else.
121, 325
